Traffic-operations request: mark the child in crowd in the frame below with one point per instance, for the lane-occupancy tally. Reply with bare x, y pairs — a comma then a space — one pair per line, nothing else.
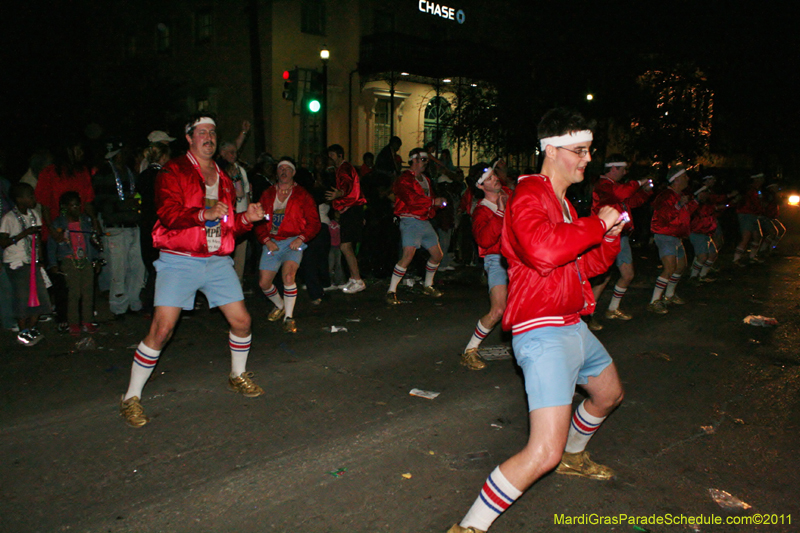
19, 232
72, 252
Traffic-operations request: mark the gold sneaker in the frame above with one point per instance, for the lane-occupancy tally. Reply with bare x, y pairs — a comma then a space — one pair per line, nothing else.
674, 300
276, 314
657, 307
244, 385
458, 529
579, 464
289, 325
431, 291
616, 314
131, 410
391, 298
472, 360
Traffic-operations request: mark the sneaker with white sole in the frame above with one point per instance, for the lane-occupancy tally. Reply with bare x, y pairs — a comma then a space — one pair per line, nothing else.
355, 285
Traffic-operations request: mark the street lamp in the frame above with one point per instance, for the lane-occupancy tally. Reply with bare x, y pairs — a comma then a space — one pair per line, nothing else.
589, 97
324, 55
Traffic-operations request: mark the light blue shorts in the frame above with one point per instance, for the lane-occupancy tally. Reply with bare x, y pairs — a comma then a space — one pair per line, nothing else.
701, 243
625, 255
273, 261
418, 233
495, 271
555, 359
748, 222
669, 245
179, 277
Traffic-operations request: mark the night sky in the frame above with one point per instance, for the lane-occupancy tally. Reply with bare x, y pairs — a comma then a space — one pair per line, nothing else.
748, 52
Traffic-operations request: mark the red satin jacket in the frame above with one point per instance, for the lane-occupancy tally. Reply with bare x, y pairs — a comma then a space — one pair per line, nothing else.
550, 261
180, 200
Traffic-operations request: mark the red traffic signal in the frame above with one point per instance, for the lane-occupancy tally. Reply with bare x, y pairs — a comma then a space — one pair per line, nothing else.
290, 84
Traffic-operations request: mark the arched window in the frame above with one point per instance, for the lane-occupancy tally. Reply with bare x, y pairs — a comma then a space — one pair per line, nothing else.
436, 113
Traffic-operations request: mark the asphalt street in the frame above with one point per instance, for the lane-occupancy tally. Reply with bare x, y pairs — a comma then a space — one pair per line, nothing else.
337, 444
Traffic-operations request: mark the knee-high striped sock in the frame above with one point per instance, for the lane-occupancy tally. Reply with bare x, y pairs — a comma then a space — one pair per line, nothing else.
144, 361
619, 292
289, 297
478, 335
430, 271
496, 496
673, 283
240, 349
661, 284
581, 429
397, 275
272, 295
696, 266
706, 267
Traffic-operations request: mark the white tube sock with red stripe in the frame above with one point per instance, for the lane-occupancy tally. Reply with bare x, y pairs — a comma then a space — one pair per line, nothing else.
496, 496
478, 335
240, 349
397, 275
619, 292
581, 429
289, 298
144, 361
272, 295
430, 271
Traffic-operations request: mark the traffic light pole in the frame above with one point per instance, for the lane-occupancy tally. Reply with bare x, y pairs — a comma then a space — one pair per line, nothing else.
324, 105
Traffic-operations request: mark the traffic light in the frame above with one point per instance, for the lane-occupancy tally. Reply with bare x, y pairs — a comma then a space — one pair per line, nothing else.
290, 84
314, 104
313, 97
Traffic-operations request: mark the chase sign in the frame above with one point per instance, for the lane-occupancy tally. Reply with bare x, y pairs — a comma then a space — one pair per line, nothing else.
445, 12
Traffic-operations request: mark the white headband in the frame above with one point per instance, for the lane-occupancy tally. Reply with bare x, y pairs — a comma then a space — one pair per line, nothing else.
572, 137
679, 173
201, 120
485, 175
288, 164
419, 154
616, 164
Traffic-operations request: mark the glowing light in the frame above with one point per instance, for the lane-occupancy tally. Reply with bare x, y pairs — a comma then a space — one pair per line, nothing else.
794, 200
447, 80
324, 54
589, 97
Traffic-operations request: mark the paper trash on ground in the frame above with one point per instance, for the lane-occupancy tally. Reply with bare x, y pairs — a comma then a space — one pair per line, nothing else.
424, 393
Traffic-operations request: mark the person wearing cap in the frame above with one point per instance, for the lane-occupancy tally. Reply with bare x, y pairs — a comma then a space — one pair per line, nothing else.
487, 227
348, 200
158, 136
196, 232
610, 190
748, 211
119, 204
551, 254
672, 212
415, 204
291, 221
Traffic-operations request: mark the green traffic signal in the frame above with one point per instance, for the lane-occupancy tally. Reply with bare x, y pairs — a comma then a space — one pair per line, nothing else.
314, 105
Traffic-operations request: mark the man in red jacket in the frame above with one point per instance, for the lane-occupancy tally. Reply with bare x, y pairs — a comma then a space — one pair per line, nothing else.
196, 232
487, 228
348, 200
671, 223
551, 254
415, 204
610, 190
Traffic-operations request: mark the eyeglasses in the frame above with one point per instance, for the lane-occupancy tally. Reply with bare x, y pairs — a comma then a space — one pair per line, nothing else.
583, 152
